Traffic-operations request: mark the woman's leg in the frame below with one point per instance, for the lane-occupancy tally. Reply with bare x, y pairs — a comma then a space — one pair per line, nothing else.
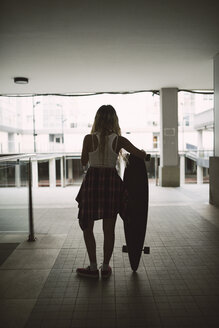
90, 242
109, 239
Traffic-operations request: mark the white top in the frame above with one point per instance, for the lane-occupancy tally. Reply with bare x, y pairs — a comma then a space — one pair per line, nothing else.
110, 156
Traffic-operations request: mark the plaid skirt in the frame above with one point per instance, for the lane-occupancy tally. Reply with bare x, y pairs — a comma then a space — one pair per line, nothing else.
102, 196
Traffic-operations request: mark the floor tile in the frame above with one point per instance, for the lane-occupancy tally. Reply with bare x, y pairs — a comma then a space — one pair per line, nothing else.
45, 241
31, 259
176, 285
22, 284
14, 313
5, 251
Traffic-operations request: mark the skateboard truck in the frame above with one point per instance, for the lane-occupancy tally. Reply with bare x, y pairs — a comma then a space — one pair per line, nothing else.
146, 249
148, 157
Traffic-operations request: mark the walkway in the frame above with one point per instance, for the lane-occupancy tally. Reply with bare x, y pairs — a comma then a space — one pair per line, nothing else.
175, 286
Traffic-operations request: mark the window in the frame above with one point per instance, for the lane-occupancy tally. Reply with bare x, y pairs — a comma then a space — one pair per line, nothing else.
186, 120
155, 141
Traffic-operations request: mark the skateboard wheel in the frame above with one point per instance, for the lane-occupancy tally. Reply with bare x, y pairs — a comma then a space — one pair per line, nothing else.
146, 250
124, 249
148, 157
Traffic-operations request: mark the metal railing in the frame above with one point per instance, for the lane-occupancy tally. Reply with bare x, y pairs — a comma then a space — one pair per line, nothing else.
200, 156
23, 162
8, 162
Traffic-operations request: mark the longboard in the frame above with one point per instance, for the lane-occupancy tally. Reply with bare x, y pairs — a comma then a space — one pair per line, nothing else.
135, 224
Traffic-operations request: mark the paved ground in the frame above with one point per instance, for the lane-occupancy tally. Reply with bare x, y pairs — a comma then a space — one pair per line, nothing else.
175, 286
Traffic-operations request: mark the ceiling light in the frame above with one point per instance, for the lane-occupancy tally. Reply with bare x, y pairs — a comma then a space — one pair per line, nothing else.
21, 80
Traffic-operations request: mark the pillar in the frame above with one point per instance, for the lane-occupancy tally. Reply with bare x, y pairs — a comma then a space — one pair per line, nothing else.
199, 174
52, 172
214, 161
182, 169
200, 140
34, 173
17, 175
169, 171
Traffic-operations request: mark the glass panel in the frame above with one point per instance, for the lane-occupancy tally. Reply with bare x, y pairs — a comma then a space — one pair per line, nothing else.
14, 196
43, 174
190, 171
77, 171
58, 172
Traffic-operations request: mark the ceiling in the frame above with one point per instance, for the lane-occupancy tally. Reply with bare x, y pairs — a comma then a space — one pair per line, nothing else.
74, 46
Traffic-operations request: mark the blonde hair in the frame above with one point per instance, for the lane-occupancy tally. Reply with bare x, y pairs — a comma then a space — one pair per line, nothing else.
106, 121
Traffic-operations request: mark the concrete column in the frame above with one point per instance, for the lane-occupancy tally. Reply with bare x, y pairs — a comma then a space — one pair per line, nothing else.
17, 175
200, 140
34, 173
169, 172
182, 169
52, 172
199, 174
214, 161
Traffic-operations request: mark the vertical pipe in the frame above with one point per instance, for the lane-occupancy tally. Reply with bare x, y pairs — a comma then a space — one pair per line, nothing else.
31, 226
34, 128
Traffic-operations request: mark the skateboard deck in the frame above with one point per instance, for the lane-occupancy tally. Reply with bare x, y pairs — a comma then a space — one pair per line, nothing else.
135, 224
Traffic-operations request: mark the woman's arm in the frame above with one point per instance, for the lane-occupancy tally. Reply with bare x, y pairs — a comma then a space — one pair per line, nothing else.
85, 151
129, 147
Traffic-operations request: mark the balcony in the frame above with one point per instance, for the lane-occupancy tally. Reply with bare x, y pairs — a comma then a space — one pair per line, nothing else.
204, 120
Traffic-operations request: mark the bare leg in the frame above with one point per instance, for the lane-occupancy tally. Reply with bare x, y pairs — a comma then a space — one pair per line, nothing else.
109, 239
90, 242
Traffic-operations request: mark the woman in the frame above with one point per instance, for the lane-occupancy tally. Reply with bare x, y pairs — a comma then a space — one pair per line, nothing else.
102, 192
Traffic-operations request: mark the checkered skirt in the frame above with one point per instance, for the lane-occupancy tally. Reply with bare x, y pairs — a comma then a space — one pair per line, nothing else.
102, 196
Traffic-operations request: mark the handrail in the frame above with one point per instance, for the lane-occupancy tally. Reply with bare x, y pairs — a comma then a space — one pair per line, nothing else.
14, 157
30, 199
7, 157
203, 153
41, 156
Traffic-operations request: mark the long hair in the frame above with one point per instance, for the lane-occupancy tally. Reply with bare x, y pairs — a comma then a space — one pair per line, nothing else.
106, 121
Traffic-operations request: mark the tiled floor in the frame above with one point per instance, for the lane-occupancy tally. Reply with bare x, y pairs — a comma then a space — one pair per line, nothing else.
6, 250
177, 285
